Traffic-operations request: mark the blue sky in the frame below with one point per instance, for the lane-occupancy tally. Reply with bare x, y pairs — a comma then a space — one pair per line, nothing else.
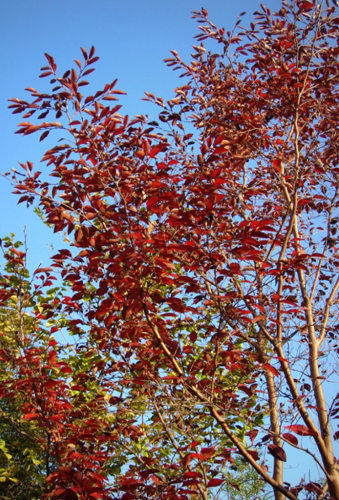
131, 37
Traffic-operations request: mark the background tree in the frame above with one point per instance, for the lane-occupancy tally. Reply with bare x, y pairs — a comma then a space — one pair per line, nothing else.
241, 481
205, 263
47, 418
22, 457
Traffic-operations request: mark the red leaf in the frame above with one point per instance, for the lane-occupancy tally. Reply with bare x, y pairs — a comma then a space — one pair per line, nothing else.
277, 165
281, 359
194, 444
246, 390
301, 430
252, 434
52, 356
271, 368
66, 369
154, 151
30, 416
290, 438
84, 53
258, 318
78, 63
88, 71
44, 135
192, 474
152, 201
43, 270
314, 488
109, 98
306, 6
277, 452
46, 73
59, 491
193, 336
214, 482
254, 454
119, 92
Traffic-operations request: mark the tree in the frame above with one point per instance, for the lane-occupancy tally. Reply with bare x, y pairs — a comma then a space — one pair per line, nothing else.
241, 481
204, 262
44, 410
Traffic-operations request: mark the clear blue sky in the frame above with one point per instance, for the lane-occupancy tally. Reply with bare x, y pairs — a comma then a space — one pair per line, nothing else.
132, 37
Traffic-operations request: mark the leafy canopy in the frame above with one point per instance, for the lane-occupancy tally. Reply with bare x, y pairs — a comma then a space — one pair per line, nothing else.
203, 267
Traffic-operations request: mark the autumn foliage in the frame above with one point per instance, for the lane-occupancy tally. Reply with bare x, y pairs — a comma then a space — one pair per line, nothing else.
201, 283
